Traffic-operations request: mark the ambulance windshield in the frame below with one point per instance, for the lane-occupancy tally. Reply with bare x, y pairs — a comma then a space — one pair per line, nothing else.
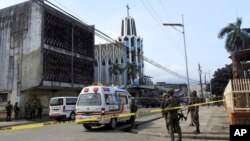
90, 99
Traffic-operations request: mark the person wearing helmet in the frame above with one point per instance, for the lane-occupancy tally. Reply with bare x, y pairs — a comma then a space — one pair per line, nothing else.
133, 109
172, 116
163, 106
195, 112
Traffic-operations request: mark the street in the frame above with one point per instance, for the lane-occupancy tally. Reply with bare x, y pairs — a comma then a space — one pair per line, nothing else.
214, 126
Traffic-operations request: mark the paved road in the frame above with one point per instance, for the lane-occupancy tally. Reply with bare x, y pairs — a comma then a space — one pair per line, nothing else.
214, 123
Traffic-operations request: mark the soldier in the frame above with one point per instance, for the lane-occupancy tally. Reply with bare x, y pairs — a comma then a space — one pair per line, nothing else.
195, 112
16, 110
39, 109
172, 116
133, 109
9, 109
27, 110
33, 110
163, 106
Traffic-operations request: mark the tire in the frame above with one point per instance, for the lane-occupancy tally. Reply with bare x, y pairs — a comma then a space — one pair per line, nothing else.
86, 126
72, 116
58, 119
112, 124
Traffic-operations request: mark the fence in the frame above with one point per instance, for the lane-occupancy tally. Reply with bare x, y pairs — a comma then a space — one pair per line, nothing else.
237, 94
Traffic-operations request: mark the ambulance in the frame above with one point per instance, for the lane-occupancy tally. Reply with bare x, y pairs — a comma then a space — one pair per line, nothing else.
101, 105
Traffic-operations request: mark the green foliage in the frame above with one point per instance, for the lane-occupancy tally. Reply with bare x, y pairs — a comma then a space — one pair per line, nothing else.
116, 69
221, 79
236, 38
131, 70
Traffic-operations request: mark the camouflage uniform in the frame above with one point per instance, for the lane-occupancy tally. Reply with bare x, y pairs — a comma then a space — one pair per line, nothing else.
32, 111
9, 109
16, 110
163, 106
195, 112
39, 109
172, 116
133, 109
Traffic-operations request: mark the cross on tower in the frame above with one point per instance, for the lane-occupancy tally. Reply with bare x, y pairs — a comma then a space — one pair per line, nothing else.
127, 10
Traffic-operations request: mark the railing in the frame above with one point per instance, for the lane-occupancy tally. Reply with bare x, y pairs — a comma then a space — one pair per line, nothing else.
237, 94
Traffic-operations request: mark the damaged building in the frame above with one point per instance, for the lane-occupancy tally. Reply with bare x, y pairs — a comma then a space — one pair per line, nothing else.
43, 53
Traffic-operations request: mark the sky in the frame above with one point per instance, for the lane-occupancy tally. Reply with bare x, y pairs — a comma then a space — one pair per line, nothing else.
203, 20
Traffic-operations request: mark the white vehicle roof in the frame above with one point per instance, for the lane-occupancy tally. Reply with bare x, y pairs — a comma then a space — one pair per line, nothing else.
102, 89
64, 97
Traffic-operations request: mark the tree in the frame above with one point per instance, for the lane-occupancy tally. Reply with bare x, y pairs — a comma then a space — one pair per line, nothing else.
220, 80
236, 39
116, 69
131, 70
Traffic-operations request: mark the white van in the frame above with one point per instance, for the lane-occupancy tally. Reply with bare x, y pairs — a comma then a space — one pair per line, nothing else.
98, 101
62, 108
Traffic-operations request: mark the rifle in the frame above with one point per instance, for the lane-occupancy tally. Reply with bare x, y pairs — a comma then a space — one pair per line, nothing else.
181, 116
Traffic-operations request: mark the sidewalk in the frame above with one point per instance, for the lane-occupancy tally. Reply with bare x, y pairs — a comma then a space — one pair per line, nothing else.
23, 121
214, 125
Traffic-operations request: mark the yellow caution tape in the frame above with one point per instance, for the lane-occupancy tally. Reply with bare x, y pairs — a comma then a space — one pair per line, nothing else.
38, 125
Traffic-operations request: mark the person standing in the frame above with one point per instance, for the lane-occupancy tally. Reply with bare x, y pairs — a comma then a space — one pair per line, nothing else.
39, 109
133, 109
8, 109
163, 106
172, 116
33, 110
207, 100
16, 111
195, 112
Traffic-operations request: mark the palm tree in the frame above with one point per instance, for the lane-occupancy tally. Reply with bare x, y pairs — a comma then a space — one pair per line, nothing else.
131, 70
237, 39
116, 69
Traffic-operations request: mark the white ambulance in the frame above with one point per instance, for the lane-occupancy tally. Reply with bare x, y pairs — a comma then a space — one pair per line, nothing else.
102, 101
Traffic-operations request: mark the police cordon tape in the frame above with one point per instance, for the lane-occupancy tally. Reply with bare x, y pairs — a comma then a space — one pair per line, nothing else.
47, 124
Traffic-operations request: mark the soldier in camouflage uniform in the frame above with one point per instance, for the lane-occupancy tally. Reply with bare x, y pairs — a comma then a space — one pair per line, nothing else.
195, 112
163, 106
133, 109
8, 109
33, 110
172, 116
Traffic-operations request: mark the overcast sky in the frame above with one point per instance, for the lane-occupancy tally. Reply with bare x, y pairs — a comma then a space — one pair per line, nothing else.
202, 19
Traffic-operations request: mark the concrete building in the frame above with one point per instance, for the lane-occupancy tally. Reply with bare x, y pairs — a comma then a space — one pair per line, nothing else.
43, 53
105, 56
180, 89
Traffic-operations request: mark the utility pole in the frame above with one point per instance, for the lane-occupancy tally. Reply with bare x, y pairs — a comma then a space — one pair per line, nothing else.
200, 72
185, 49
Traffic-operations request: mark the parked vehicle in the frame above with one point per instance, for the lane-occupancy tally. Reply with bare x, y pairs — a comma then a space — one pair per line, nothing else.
62, 108
99, 101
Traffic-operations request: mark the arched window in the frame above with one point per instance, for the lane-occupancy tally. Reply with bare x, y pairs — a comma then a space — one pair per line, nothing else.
110, 62
122, 60
103, 62
96, 63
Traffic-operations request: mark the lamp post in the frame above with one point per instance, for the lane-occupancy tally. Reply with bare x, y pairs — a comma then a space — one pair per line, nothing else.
210, 85
184, 39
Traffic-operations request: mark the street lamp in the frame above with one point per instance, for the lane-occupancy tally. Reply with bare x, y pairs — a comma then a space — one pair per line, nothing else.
184, 39
210, 83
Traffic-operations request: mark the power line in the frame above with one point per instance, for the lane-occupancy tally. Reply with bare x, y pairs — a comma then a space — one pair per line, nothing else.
158, 20
111, 40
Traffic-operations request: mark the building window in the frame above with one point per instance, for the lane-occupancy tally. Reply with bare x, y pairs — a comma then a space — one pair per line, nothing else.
96, 63
3, 97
